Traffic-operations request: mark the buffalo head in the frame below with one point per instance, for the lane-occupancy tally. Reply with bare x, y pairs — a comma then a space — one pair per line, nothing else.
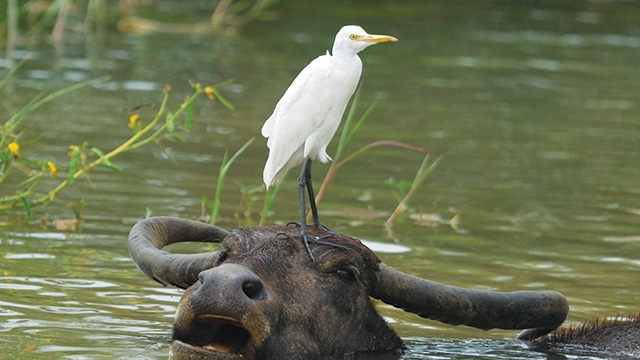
260, 296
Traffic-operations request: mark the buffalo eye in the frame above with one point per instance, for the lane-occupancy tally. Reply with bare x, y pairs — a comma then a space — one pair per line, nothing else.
222, 257
346, 274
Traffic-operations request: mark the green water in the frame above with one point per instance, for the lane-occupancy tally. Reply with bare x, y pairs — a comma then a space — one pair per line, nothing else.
532, 105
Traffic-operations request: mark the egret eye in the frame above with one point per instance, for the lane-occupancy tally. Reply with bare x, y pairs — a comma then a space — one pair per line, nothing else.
353, 37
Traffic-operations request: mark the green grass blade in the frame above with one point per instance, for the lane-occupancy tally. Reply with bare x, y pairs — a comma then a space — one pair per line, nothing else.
361, 121
269, 198
426, 167
224, 168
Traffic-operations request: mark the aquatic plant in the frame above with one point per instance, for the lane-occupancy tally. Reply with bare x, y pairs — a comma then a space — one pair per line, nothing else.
349, 130
83, 158
214, 204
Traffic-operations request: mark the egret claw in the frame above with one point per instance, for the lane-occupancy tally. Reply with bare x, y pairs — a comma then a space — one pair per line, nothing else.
327, 230
305, 239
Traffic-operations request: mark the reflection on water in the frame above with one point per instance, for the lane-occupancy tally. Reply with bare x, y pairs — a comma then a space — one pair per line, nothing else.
533, 106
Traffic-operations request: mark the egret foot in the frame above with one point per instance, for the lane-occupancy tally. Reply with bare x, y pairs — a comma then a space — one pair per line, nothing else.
327, 230
304, 182
322, 227
308, 238
305, 240
318, 240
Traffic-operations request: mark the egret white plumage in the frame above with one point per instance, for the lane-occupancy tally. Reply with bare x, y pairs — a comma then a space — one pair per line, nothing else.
308, 114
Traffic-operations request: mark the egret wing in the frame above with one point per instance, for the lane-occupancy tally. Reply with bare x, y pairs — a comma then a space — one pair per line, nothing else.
300, 111
299, 96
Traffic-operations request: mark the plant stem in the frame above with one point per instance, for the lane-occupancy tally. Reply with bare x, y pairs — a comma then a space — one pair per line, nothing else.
269, 198
132, 143
34, 104
224, 168
333, 169
425, 169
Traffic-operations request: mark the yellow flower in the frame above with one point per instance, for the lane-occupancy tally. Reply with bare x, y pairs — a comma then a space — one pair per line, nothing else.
54, 170
133, 120
211, 93
14, 147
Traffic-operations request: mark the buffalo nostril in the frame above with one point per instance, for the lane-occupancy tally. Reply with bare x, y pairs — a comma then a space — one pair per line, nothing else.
253, 289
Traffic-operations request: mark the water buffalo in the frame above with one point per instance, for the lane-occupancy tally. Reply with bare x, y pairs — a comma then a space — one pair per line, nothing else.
616, 338
260, 296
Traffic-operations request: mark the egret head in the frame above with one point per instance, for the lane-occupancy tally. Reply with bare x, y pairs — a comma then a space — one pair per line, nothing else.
352, 39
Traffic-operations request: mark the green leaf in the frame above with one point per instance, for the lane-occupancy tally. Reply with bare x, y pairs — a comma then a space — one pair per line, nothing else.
224, 101
188, 120
105, 162
177, 138
170, 123
73, 164
27, 208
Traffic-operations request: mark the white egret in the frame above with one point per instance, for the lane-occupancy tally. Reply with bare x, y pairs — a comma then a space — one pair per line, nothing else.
308, 114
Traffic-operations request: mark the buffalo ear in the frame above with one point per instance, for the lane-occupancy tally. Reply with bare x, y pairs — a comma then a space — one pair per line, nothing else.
538, 311
149, 236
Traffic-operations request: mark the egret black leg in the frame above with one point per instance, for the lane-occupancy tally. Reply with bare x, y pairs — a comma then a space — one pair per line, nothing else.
312, 196
304, 180
312, 202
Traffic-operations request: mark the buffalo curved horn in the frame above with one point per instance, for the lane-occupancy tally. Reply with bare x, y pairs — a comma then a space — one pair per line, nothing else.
540, 312
148, 236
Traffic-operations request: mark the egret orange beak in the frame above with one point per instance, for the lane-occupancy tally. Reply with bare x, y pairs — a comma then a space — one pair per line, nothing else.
377, 38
